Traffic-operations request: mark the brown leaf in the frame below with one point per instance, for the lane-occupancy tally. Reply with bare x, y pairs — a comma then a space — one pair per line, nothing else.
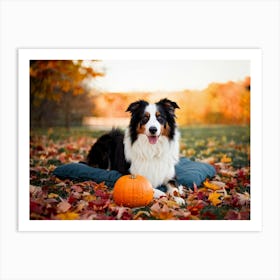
63, 206
77, 188
161, 211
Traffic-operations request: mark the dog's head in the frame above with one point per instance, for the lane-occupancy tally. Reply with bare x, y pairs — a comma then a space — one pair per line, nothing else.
153, 120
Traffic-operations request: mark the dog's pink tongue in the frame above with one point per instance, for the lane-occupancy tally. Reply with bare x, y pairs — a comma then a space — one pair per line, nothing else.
153, 139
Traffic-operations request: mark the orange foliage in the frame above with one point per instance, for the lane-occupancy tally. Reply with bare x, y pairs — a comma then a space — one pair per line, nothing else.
227, 103
115, 104
52, 79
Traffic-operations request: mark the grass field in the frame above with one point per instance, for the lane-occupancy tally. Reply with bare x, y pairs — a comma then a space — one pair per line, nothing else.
197, 143
227, 196
217, 142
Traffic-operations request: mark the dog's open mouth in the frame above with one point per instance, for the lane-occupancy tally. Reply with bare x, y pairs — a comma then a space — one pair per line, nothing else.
153, 139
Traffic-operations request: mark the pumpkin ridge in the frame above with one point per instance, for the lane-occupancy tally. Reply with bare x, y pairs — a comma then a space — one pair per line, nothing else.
133, 190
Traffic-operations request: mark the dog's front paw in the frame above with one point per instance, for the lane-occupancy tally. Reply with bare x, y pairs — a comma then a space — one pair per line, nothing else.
181, 190
158, 193
179, 200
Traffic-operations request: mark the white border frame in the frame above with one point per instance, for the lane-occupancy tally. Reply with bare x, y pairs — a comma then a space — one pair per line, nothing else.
253, 55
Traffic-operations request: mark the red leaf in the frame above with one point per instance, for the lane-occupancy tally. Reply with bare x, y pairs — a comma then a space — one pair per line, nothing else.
36, 207
102, 194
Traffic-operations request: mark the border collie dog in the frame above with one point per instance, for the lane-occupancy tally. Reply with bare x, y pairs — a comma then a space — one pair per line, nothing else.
149, 146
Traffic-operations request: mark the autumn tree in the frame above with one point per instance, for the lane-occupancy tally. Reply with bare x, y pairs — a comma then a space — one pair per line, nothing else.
58, 91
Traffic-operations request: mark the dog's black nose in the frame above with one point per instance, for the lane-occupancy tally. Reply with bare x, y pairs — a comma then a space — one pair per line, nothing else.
153, 129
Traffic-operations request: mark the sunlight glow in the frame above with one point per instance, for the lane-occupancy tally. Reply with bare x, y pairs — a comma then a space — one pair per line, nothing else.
167, 75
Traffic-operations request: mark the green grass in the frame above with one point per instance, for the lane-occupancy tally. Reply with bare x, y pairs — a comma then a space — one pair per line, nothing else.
61, 133
217, 142
196, 142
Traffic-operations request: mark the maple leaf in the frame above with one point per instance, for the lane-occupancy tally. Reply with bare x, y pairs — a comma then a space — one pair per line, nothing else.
211, 186
98, 204
140, 214
35, 191
123, 213
102, 194
81, 205
214, 198
196, 207
232, 215
67, 216
226, 159
61, 184
201, 195
161, 211
102, 216
210, 160
63, 206
244, 198
88, 197
53, 195
77, 188
36, 207
192, 217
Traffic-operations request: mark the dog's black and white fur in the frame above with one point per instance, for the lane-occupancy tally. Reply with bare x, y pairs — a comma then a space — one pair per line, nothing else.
149, 146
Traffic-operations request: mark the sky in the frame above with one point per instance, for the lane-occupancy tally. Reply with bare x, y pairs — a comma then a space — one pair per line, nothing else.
168, 75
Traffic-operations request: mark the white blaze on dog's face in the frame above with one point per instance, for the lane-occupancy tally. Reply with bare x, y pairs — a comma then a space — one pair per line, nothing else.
152, 125
152, 121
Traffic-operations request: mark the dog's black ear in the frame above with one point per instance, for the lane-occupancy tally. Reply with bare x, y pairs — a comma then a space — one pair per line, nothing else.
136, 105
169, 105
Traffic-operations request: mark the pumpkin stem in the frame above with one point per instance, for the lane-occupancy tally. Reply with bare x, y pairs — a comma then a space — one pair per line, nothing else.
132, 176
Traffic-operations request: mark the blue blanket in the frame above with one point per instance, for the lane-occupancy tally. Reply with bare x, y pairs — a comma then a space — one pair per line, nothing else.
187, 173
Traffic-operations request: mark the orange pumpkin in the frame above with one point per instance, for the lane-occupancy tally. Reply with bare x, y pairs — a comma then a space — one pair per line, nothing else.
133, 191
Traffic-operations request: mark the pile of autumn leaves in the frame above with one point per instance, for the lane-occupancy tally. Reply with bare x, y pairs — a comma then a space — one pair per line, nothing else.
225, 197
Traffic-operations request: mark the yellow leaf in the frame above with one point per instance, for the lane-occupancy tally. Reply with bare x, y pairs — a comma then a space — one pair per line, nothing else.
140, 213
68, 216
211, 186
52, 195
214, 198
192, 217
171, 204
89, 197
81, 205
225, 159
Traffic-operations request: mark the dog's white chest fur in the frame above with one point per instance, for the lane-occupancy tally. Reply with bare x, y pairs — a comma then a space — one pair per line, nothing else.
157, 161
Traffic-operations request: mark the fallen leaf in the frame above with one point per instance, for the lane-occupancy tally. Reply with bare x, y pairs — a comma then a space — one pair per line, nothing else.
53, 195
226, 159
161, 212
81, 205
141, 213
195, 189
63, 206
67, 216
77, 188
244, 198
214, 198
122, 211
211, 186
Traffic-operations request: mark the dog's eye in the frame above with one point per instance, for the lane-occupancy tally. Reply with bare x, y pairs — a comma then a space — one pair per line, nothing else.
144, 120
160, 119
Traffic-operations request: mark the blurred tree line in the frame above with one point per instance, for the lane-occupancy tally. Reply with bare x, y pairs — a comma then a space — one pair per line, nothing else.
220, 103
59, 95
